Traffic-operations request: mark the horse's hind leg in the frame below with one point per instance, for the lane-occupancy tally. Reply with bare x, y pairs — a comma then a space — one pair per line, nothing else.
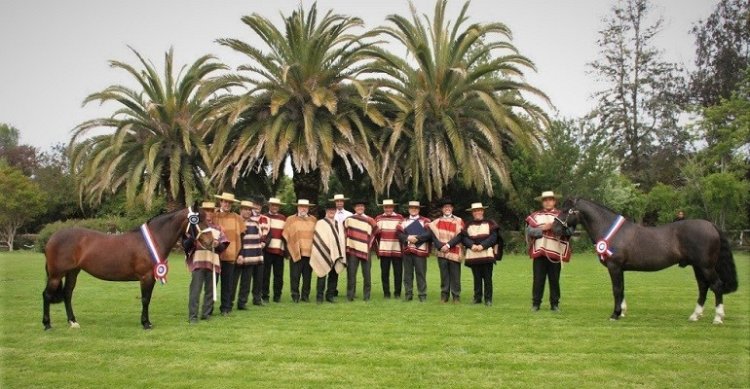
52, 294
147, 287
70, 284
702, 293
713, 281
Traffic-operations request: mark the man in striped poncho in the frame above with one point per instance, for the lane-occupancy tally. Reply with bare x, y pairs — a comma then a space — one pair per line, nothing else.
249, 268
414, 256
360, 230
328, 254
389, 248
273, 255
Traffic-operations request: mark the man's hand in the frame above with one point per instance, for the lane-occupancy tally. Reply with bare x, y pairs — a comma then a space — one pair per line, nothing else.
411, 239
240, 260
445, 248
477, 248
546, 226
262, 244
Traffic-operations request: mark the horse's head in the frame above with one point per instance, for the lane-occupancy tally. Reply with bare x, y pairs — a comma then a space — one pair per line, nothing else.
196, 221
569, 216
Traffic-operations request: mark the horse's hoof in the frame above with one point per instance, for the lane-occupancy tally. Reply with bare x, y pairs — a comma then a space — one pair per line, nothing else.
147, 326
614, 317
74, 324
47, 327
694, 317
718, 321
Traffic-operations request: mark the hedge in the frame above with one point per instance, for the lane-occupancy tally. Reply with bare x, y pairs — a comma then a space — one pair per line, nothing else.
111, 225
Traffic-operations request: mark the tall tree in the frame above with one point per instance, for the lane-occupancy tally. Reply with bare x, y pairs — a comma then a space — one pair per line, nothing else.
22, 201
158, 145
639, 106
303, 104
23, 157
457, 102
722, 52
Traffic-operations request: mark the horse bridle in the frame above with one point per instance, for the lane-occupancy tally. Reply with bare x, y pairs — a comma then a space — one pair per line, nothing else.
571, 211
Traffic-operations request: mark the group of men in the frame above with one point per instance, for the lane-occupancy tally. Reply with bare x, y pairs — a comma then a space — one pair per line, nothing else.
245, 250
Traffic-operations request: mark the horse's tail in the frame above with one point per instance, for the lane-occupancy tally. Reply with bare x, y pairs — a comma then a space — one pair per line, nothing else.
56, 295
725, 266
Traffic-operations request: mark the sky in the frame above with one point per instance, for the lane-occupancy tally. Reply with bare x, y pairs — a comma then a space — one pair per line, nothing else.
55, 53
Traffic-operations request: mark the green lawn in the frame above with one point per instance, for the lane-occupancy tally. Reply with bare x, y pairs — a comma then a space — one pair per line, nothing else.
381, 343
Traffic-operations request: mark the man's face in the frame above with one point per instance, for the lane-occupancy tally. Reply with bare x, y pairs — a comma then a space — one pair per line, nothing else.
413, 211
302, 209
359, 208
447, 209
681, 214
246, 212
209, 215
274, 208
478, 213
388, 208
330, 213
339, 204
549, 203
226, 206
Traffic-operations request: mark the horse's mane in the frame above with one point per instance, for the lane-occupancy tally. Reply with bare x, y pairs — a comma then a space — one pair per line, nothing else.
155, 218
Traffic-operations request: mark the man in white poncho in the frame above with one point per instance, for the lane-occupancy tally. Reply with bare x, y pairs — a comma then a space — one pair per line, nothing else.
328, 256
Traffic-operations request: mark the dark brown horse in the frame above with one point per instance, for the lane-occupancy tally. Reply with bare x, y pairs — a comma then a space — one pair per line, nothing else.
696, 243
123, 257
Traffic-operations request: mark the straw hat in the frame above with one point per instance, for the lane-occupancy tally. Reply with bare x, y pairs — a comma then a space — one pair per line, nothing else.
547, 194
388, 202
275, 200
208, 205
415, 204
476, 206
339, 197
227, 196
304, 202
249, 204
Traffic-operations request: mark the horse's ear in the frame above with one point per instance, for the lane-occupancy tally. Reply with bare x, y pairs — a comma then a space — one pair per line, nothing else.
196, 206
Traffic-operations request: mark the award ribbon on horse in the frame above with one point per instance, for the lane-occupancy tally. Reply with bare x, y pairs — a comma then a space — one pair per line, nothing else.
602, 245
160, 265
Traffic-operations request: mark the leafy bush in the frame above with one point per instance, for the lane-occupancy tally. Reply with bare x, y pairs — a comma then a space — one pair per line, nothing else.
110, 225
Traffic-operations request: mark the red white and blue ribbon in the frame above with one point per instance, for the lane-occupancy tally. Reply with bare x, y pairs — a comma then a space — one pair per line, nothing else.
602, 246
160, 265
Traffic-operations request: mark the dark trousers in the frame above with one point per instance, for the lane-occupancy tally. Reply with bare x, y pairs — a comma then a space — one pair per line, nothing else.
385, 275
227, 286
450, 279
245, 276
276, 263
200, 279
482, 281
415, 265
332, 281
545, 269
352, 263
297, 270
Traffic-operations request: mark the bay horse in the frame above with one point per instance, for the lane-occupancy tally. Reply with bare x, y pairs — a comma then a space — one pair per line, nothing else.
625, 246
123, 257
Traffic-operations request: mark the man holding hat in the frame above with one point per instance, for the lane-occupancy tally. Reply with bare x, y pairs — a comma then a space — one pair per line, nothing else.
546, 250
360, 230
298, 234
414, 257
233, 225
341, 213
249, 268
484, 246
441, 231
273, 254
389, 248
328, 256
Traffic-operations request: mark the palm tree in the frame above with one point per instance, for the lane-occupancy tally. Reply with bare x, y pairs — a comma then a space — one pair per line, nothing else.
158, 145
457, 105
303, 102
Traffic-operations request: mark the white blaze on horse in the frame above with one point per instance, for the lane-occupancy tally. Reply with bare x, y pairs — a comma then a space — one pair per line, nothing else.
625, 246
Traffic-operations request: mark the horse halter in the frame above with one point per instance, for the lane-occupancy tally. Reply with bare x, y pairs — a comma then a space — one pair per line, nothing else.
571, 211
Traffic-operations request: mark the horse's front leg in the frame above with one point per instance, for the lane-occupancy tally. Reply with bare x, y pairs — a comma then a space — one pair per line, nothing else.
147, 287
618, 288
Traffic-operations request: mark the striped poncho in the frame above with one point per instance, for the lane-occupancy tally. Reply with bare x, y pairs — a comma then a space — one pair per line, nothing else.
274, 239
387, 234
548, 246
483, 233
443, 230
359, 235
414, 227
328, 251
252, 250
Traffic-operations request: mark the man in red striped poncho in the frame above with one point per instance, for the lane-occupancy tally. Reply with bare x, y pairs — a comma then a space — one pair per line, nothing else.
414, 256
249, 266
389, 248
273, 255
360, 230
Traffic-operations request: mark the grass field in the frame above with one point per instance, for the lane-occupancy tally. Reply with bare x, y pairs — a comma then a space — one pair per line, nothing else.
383, 342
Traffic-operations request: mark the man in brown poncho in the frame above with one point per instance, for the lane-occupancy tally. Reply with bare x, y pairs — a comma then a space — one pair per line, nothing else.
298, 234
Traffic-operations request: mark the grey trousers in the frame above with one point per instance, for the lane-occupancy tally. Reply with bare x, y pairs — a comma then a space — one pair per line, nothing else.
352, 263
450, 279
415, 264
200, 279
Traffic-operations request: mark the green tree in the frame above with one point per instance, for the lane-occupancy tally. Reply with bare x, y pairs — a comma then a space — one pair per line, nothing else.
454, 112
662, 203
158, 147
8, 136
22, 201
726, 197
303, 103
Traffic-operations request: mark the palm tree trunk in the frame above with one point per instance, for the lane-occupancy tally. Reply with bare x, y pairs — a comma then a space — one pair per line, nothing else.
307, 185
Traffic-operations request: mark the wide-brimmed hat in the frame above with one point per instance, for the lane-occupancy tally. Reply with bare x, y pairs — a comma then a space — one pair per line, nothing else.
304, 202
359, 201
445, 201
208, 205
547, 194
331, 205
339, 197
227, 196
476, 206
414, 204
275, 200
388, 202
249, 204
